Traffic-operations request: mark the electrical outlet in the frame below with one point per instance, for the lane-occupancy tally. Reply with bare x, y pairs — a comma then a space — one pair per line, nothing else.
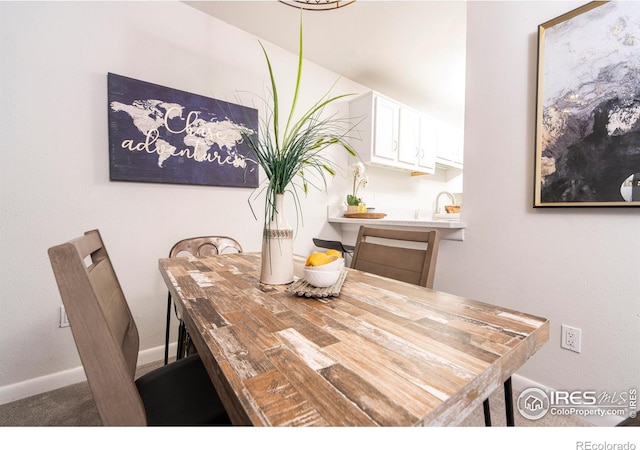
64, 320
571, 337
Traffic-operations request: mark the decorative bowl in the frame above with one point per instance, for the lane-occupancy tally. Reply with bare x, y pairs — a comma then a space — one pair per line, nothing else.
321, 278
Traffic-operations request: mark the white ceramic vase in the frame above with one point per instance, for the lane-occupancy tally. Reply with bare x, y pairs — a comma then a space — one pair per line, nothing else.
277, 248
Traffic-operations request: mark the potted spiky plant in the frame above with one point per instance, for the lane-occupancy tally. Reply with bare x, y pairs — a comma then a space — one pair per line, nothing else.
293, 158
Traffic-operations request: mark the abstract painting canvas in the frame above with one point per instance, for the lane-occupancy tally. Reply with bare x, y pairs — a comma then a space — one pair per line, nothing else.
588, 107
163, 135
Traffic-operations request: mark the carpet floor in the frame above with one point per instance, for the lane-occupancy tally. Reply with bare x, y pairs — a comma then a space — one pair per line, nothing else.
73, 406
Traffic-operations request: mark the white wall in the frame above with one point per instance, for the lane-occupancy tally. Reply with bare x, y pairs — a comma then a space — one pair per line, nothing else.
572, 266
55, 167
397, 191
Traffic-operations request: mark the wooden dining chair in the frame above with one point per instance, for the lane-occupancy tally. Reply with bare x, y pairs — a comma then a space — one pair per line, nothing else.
389, 253
193, 246
107, 340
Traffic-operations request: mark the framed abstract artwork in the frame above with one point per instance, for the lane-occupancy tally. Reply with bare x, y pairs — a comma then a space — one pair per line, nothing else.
588, 107
163, 135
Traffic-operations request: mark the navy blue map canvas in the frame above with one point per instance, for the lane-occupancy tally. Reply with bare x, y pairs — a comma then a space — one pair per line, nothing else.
163, 135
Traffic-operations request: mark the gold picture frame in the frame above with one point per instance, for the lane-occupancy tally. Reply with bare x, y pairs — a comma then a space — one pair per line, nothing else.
588, 107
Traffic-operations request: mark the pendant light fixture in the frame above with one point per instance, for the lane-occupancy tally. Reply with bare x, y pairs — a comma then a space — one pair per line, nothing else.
317, 5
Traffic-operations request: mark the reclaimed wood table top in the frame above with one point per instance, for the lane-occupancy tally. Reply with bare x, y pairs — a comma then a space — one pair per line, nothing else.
383, 353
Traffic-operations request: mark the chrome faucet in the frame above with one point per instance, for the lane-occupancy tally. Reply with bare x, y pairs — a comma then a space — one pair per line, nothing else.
451, 197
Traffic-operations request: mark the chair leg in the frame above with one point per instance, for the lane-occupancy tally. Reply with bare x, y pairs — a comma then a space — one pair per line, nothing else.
348, 258
487, 413
189, 347
508, 402
181, 338
166, 339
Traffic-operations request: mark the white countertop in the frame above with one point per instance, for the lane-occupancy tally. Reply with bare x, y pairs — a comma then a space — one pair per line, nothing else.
419, 223
451, 229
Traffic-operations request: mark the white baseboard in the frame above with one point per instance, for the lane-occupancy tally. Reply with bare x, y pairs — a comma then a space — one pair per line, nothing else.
58, 380
520, 383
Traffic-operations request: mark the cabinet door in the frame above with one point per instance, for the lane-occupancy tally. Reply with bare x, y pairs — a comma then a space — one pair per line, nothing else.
409, 136
386, 129
450, 146
428, 144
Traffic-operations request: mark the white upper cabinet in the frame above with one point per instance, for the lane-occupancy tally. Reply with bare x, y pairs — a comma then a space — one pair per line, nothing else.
450, 146
428, 144
418, 141
393, 135
409, 137
385, 129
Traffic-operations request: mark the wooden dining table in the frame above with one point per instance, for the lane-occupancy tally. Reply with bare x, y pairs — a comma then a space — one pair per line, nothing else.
381, 353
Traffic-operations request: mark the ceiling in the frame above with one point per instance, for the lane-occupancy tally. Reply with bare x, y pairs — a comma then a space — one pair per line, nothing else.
411, 51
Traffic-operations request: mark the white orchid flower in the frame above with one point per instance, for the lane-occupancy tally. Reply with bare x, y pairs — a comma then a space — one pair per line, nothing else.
357, 169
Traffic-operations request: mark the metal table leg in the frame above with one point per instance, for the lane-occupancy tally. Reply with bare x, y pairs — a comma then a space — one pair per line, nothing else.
508, 402
166, 339
487, 413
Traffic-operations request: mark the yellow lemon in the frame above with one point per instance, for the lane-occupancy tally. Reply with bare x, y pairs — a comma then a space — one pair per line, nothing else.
334, 253
318, 259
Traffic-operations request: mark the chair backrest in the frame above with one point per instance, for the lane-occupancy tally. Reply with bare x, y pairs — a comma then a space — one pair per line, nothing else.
102, 326
412, 265
335, 245
205, 245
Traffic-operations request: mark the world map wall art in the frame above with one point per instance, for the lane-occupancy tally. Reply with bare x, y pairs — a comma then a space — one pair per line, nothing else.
588, 107
163, 135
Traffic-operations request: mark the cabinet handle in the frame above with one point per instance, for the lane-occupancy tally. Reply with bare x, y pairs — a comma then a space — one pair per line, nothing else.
395, 146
